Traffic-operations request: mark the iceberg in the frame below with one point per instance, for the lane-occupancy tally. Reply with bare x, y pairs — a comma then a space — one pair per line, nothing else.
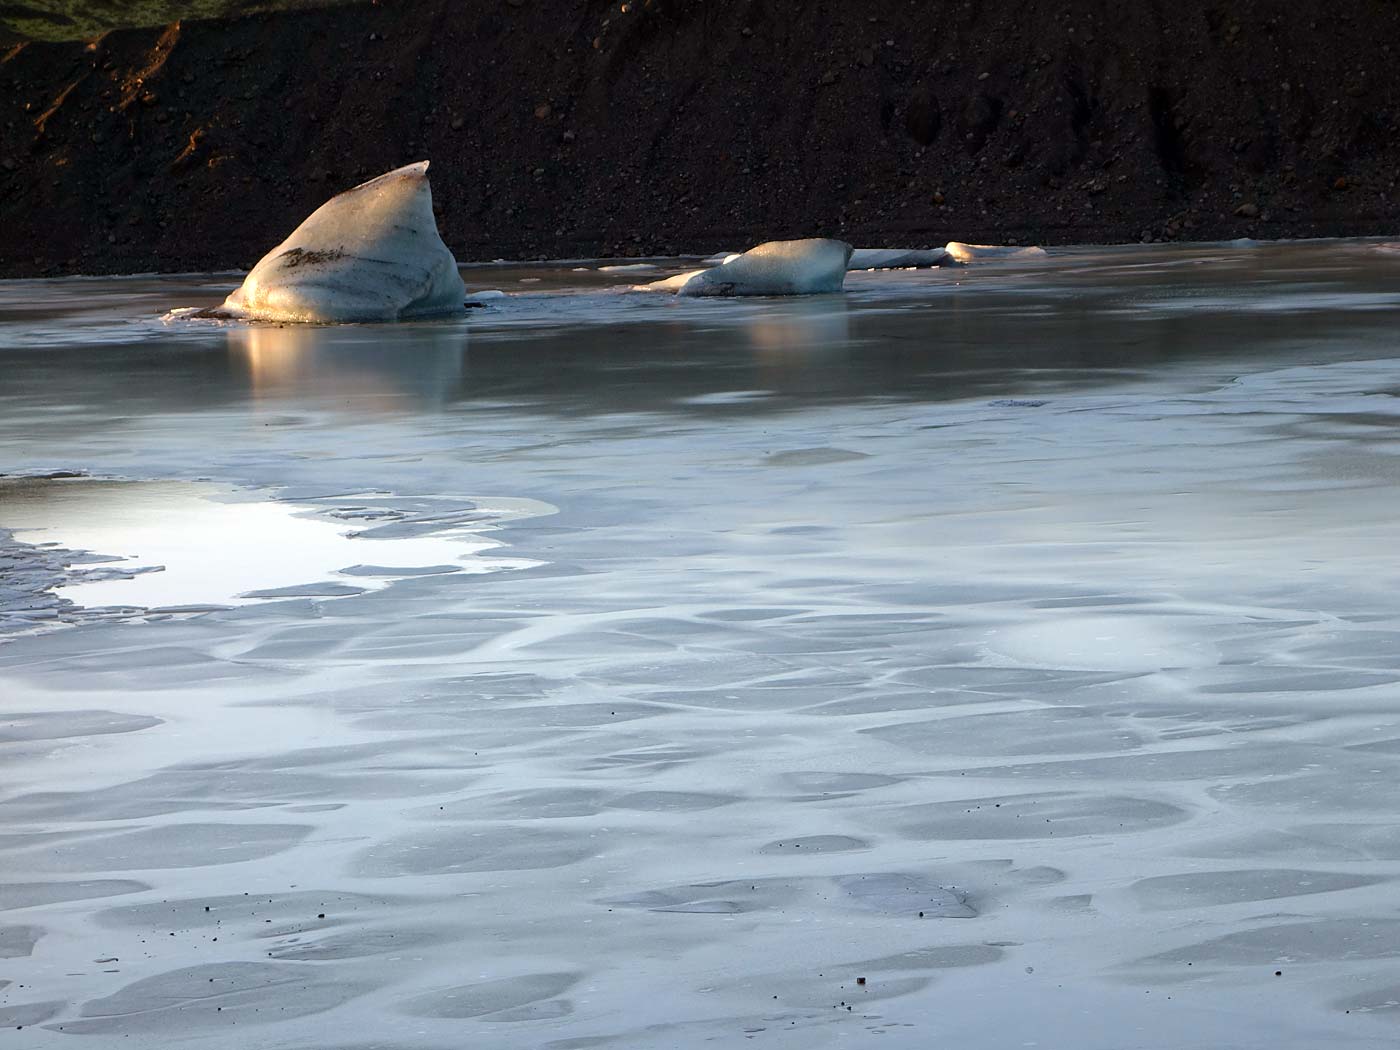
670, 284
805, 267
372, 253
897, 258
965, 253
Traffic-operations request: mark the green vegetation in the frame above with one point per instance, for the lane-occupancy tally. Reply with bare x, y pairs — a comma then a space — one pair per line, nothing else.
79, 19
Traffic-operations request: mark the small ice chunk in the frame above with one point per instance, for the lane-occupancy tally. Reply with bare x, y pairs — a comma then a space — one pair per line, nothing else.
896, 258
626, 267
804, 267
372, 253
484, 294
669, 284
964, 253
180, 313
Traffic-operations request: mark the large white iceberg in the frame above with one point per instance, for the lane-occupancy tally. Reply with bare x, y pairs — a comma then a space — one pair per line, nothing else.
805, 267
372, 253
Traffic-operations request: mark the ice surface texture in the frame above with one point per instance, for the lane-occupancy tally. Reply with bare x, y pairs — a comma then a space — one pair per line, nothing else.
372, 253
806, 267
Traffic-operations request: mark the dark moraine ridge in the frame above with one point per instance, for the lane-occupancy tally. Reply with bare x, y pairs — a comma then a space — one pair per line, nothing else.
573, 128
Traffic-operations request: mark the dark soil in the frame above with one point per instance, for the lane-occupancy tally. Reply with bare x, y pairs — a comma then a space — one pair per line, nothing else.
568, 128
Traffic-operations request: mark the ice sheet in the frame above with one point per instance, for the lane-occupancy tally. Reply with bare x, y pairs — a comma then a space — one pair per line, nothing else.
1021, 634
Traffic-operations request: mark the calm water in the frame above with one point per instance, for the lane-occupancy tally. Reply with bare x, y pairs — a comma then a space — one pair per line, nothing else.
605, 670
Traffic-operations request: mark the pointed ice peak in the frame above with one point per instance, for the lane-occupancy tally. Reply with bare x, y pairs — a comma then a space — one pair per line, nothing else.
372, 253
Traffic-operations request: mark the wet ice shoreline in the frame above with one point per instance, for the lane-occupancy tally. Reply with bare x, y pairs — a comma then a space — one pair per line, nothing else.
1058, 607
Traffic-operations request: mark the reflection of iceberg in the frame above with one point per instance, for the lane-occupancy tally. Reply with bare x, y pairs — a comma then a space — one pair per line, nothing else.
421, 365
801, 325
800, 344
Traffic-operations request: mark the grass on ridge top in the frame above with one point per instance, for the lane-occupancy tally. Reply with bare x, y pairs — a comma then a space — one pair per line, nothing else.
80, 19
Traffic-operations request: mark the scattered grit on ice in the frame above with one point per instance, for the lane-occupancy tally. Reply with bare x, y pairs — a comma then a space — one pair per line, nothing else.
372, 253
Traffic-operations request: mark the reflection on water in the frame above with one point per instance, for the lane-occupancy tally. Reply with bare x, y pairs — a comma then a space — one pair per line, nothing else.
578, 342
799, 326
359, 364
183, 543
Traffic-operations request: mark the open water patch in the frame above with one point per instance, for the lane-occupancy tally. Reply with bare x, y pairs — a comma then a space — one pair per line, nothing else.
115, 546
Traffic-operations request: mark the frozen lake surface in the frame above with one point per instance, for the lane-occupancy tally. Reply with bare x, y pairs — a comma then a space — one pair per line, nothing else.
1005, 656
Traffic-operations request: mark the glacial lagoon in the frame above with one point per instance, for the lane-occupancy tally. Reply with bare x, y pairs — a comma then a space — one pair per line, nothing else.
997, 656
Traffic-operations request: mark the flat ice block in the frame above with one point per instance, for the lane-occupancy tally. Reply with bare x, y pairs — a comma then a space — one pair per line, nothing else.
805, 267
